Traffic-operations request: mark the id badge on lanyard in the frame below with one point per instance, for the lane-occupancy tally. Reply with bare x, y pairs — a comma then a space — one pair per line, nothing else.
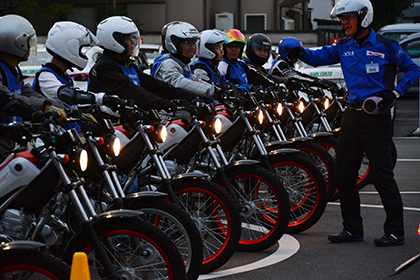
372, 68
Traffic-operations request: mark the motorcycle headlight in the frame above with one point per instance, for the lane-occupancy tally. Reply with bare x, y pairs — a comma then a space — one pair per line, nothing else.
83, 159
326, 103
217, 125
116, 146
163, 133
260, 117
301, 106
279, 109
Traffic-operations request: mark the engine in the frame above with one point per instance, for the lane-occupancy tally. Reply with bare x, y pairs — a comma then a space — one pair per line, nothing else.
16, 225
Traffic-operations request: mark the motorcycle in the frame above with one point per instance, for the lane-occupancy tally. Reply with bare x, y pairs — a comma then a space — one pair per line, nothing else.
210, 207
261, 199
39, 185
272, 108
103, 145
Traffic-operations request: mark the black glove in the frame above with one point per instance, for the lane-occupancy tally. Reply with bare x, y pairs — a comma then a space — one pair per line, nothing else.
17, 132
219, 94
167, 106
112, 102
179, 93
296, 52
326, 84
53, 115
294, 84
387, 101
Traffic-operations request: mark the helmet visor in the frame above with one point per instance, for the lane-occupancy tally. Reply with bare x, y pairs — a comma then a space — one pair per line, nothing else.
88, 39
132, 42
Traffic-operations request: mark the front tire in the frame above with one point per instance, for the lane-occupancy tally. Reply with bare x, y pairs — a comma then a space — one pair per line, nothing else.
216, 216
136, 249
306, 188
265, 206
323, 160
178, 226
33, 264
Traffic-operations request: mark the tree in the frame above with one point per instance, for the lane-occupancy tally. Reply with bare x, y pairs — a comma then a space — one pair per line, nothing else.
388, 11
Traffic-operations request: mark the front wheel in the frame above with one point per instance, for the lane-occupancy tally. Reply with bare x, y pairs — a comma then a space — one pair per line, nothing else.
264, 206
178, 226
306, 189
216, 216
322, 159
32, 264
136, 249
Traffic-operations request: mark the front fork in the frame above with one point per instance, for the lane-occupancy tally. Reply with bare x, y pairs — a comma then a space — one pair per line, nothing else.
87, 225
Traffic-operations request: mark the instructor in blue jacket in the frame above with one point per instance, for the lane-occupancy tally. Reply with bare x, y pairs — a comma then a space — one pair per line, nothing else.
369, 62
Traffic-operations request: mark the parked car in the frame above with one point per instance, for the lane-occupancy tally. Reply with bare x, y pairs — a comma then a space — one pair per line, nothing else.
411, 46
34, 63
399, 31
80, 77
331, 72
151, 51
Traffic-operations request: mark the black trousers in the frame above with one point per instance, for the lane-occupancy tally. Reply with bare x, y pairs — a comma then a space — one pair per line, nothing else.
373, 134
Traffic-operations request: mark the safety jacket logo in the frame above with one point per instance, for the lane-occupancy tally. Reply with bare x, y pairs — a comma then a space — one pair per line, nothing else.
370, 53
348, 53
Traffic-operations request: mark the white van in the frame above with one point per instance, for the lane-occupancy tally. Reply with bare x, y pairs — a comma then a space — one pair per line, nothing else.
399, 31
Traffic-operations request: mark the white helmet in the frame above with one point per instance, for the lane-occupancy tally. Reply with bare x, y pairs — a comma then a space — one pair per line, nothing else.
18, 37
111, 34
362, 8
176, 33
209, 38
65, 40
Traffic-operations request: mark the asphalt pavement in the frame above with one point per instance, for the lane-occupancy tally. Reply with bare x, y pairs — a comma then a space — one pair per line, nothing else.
316, 258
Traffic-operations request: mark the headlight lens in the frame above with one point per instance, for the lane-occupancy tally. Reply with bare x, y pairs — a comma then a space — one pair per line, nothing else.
279, 109
260, 117
83, 160
326, 103
218, 125
301, 106
116, 147
163, 133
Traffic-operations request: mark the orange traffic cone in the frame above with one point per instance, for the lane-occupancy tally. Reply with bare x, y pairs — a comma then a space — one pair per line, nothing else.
80, 267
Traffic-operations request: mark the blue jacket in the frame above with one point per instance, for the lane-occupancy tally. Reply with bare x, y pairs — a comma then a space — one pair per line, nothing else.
161, 58
49, 67
14, 86
209, 68
234, 72
369, 69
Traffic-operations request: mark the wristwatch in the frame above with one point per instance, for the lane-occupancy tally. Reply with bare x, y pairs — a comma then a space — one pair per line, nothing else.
397, 94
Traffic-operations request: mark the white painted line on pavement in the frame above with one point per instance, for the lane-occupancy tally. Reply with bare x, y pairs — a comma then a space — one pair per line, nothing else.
408, 159
401, 192
378, 206
288, 246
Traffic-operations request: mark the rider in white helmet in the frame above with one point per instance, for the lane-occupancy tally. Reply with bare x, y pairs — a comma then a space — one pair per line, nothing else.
369, 62
116, 71
65, 42
210, 53
18, 41
173, 67
17, 100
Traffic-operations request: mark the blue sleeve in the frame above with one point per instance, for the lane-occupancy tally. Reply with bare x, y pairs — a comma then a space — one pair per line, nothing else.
327, 55
407, 66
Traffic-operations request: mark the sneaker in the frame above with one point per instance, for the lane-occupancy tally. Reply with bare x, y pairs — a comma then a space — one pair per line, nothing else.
345, 237
389, 240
